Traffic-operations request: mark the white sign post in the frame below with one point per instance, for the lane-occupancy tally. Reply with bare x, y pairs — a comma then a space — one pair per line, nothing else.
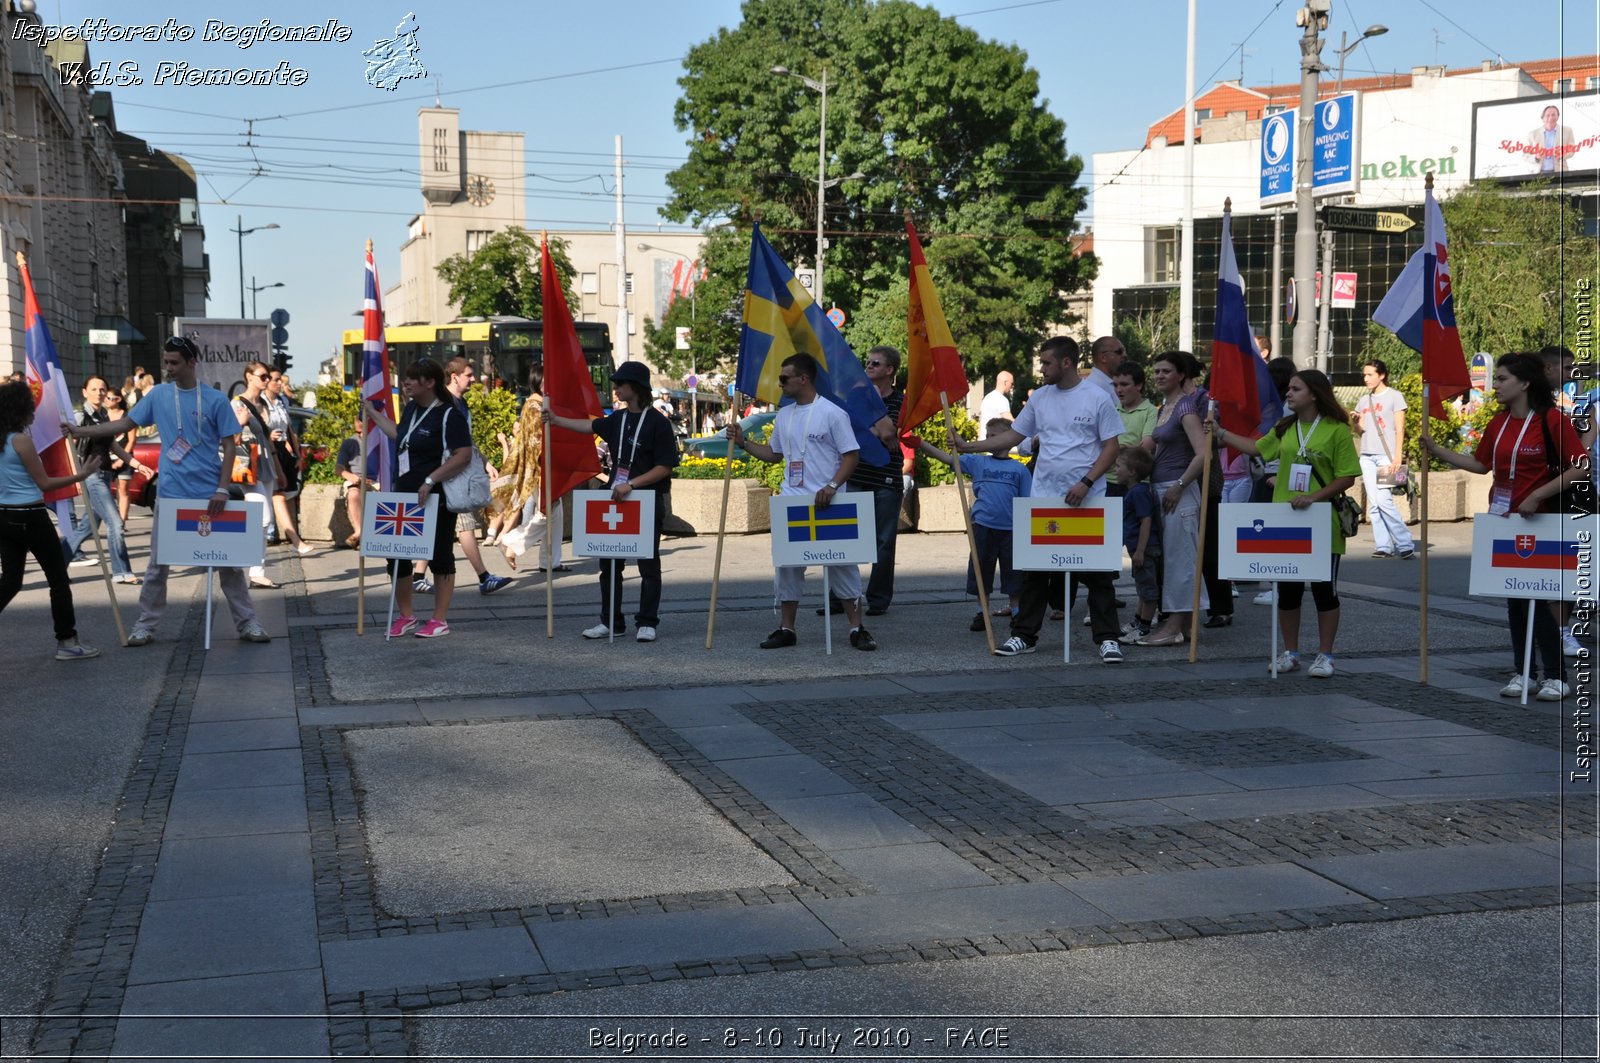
1540, 558
188, 534
605, 527
843, 533
1273, 541
396, 527
1047, 535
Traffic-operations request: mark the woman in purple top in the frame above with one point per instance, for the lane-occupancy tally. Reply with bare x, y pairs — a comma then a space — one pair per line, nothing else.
1179, 439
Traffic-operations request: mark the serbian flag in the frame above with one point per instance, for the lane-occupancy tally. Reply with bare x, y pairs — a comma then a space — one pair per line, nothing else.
933, 366
1525, 552
606, 516
570, 459
1247, 401
1420, 311
1258, 538
52, 403
376, 383
1068, 527
200, 520
808, 524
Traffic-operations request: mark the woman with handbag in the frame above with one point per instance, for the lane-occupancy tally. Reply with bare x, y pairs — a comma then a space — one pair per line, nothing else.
1178, 440
1381, 417
286, 445
255, 464
431, 448
1317, 462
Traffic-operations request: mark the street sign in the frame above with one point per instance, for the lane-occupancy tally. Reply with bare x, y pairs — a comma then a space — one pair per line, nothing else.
837, 317
1344, 291
1288, 302
102, 337
807, 279
1353, 220
1336, 154
280, 317
1277, 159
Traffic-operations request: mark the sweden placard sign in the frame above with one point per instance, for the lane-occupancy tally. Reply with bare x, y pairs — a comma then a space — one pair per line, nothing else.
843, 533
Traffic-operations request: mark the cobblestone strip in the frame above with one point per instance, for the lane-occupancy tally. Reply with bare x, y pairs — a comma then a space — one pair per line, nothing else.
80, 1015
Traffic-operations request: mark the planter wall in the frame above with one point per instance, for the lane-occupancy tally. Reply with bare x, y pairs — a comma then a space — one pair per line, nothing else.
1452, 495
697, 507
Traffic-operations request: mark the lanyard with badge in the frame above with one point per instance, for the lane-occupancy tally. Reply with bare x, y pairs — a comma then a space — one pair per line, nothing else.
797, 465
624, 469
1300, 471
1500, 497
405, 440
179, 448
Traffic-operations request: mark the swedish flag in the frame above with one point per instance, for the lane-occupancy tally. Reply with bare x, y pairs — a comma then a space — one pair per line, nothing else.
808, 524
781, 319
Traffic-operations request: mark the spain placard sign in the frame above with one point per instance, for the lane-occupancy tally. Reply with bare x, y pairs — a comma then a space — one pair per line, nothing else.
1548, 556
187, 533
395, 526
1047, 535
606, 527
841, 533
1275, 542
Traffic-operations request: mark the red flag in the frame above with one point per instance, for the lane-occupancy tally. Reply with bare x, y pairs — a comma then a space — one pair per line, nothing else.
52, 404
933, 365
568, 388
608, 517
1420, 311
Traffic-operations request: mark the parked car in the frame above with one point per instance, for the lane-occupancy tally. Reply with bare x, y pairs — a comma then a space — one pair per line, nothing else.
142, 489
715, 445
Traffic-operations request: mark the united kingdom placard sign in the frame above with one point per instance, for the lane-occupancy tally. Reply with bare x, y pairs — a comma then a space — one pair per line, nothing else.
603, 526
1047, 535
188, 533
395, 525
1548, 556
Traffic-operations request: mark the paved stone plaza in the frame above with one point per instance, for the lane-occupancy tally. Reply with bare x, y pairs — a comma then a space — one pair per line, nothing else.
476, 845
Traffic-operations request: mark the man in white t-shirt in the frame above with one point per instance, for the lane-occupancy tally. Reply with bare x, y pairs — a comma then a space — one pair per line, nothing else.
1077, 428
813, 439
998, 402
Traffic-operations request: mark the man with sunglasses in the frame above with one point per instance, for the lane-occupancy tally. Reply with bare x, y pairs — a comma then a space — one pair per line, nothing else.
199, 432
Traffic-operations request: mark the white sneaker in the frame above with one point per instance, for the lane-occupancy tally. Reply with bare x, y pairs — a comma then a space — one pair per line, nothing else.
1014, 646
599, 631
646, 633
1552, 690
1288, 661
1570, 646
1110, 652
1322, 667
141, 636
1514, 688
254, 632
1264, 598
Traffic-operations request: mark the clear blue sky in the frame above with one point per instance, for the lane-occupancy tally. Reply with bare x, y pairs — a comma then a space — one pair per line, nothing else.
337, 158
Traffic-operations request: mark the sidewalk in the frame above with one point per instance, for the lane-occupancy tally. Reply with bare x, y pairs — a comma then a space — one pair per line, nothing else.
379, 842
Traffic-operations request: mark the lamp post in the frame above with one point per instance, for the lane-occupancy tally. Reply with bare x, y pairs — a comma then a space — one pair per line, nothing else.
243, 232
254, 288
820, 87
1376, 30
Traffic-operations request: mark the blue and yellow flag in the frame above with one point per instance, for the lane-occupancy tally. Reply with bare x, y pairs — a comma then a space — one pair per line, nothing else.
808, 524
781, 319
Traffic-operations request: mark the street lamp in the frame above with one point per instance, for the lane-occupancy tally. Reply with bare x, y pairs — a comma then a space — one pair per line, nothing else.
243, 232
822, 159
254, 288
1346, 49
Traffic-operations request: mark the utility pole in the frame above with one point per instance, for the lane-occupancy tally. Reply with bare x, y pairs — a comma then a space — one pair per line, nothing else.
1275, 329
1325, 292
622, 267
1186, 245
1313, 18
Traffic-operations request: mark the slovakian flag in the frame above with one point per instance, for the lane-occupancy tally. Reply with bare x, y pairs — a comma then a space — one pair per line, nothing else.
399, 519
1523, 552
1260, 538
570, 459
1068, 527
203, 523
610, 517
1420, 311
808, 524
52, 402
1247, 401
376, 382
933, 365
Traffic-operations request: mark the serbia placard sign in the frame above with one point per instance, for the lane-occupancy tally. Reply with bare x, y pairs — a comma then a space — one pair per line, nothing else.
1275, 542
188, 534
1548, 556
395, 526
842, 533
605, 527
1047, 535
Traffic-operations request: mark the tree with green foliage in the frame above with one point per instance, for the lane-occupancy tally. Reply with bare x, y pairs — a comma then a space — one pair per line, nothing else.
937, 121
502, 276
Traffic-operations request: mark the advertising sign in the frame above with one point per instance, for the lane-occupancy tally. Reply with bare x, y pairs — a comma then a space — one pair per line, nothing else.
187, 534
395, 525
1047, 535
843, 533
1344, 291
1336, 154
1547, 556
1536, 136
1273, 541
1479, 371
605, 527
225, 346
1277, 159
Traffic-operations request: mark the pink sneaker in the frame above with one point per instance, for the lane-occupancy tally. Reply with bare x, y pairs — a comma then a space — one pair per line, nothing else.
403, 625
433, 629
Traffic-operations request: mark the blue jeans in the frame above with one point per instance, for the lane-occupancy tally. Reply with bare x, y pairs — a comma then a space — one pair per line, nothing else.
886, 503
102, 507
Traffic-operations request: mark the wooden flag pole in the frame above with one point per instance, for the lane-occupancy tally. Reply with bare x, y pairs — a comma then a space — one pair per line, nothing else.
550, 531
361, 492
1200, 547
722, 531
99, 549
1427, 459
966, 520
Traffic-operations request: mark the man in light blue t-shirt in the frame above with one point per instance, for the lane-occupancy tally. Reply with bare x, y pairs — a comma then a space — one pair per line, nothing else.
198, 432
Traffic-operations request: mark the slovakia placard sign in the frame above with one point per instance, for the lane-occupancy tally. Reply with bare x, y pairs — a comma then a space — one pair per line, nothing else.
187, 534
605, 527
1549, 556
1047, 535
843, 533
1275, 542
395, 525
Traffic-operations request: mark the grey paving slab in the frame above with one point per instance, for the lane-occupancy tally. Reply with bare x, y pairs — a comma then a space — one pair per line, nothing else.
218, 697
166, 1027
675, 937
964, 740
998, 716
1211, 892
225, 771
1418, 748
1345, 732
252, 810
1519, 784
1010, 909
1280, 776
1579, 857
803, 690
232, 736
420, 959
243, 866
1030, 760
1532, 761
984, 681
845, 821
457, 708
1134, 813
772, 778
910, 868
208, 938
1062, 789
1364, 712
685, 700
229, 657
701, 715
388, 713
1458, 869
733, 741
1100, 727
1110, 758
1275, 802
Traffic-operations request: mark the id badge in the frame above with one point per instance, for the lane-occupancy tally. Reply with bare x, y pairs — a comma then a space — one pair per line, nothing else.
1299, 478
177, 451
623, 474
797, 473
1499, 501
405, 462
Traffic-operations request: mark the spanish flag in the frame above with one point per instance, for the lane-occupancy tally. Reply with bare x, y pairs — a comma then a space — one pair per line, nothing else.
1068, 527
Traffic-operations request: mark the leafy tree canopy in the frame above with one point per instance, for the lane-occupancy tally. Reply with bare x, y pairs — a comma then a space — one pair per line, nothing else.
502, 276
939, 122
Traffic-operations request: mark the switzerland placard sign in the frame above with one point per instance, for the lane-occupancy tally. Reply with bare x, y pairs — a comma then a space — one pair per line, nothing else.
1047, 535
1548, 556
188, 534
1275, 542
605, 527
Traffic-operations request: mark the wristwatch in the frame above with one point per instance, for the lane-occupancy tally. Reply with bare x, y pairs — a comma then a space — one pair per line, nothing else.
428, 480
1085, 481
830, 485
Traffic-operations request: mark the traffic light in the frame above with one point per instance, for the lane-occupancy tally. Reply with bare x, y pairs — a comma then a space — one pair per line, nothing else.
280, 341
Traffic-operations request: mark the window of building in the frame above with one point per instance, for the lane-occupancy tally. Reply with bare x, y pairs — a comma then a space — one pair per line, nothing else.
1593, 81
1274, 108
1563, 86
1202, 113
588, 284
441, 151
476, 238
1162, 247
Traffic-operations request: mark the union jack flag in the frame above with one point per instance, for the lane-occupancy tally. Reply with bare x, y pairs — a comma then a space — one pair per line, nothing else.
404, 519
375, 380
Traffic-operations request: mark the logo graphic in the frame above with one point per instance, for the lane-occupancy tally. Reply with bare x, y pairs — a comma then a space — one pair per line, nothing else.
395, 60
1260, 539
1330, 115
1068, 527
1277, 139
202, 523
404, 519
808, 524
1529, 551
606, 517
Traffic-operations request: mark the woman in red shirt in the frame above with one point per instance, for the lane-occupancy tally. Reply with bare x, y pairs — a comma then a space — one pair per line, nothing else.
1534, 453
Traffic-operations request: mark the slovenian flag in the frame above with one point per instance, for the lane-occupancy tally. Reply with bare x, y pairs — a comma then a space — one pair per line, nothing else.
808, 524
401, 519
1531, 552
1068, 527
1260, 539
608, 517
229, 520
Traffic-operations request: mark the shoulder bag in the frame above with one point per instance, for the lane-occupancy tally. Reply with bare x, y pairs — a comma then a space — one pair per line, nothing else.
468, 489
1344, 508
1399, 482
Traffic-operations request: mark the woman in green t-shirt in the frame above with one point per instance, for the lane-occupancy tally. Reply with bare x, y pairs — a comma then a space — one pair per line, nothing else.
1317, 461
